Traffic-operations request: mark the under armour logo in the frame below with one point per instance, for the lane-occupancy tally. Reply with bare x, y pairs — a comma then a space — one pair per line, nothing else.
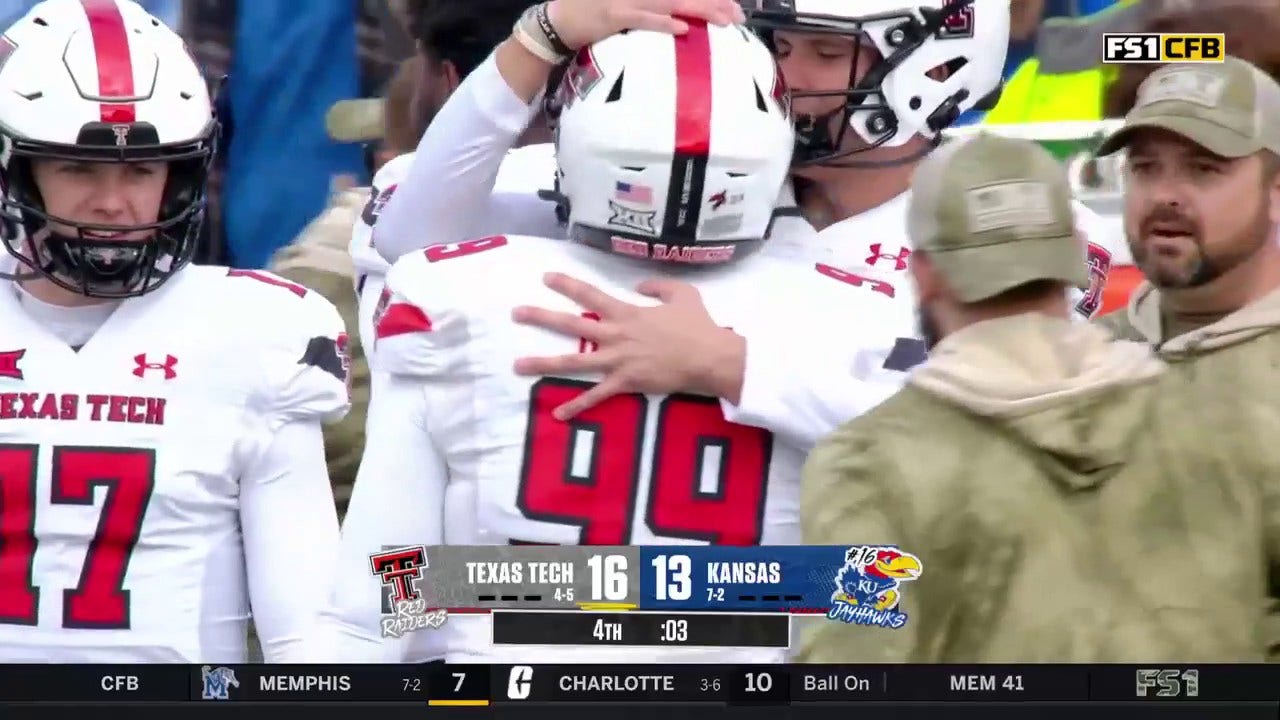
9, 364
167, 366
877, 253
122, 134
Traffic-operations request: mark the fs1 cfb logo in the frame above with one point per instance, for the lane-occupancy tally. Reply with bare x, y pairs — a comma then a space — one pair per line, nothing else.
1163, 47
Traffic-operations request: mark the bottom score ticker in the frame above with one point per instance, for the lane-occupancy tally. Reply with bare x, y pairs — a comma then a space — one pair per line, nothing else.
463, 685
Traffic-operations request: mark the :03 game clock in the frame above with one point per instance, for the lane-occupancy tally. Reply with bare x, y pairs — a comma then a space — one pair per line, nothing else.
644, 629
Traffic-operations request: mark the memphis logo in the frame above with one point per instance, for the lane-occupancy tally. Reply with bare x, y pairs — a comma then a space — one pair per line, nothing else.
869, 586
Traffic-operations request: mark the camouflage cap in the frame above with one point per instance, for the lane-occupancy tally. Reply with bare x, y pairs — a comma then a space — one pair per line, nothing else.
1231, 109
356, 121
994, 213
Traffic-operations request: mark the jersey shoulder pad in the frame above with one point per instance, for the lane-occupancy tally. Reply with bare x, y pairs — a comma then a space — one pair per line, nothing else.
301, 343
384, 185
422, 318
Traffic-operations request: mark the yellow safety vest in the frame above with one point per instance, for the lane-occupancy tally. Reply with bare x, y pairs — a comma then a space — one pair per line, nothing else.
1065, 80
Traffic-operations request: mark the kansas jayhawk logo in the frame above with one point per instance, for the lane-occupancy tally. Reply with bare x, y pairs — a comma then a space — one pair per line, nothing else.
869, 586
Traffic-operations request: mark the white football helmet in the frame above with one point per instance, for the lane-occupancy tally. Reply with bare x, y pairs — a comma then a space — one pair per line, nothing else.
901, 95
673, 148
101, 81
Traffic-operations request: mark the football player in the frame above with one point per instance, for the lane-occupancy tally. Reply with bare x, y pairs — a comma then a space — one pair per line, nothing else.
463, 451
871, 106
161, 460
452, 39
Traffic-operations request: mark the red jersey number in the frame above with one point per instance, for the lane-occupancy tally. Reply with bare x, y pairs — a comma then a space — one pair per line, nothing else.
99, 600
856, 280
596, 487
448, 251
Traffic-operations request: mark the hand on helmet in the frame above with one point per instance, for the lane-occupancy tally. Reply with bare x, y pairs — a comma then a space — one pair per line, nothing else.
582, 22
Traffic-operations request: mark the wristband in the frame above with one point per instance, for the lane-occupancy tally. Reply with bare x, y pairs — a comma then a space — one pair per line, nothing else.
536, 34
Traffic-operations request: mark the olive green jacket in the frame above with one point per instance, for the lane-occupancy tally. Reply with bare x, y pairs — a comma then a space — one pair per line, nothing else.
1060, 494
1236, 362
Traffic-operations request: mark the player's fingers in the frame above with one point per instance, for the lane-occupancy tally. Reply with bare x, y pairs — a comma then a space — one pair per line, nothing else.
666, 289
585, 294
654, 21
560, 322
598, 393
576, 364
720, 12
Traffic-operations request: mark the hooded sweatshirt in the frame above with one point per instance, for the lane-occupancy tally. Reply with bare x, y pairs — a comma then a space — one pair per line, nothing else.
1233, 362
1062, 502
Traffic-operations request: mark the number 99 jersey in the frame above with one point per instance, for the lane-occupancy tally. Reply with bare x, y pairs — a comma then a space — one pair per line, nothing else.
634, 470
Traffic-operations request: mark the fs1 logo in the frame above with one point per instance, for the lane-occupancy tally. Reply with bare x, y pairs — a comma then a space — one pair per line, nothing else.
1169, 683
520, 682
1163, 47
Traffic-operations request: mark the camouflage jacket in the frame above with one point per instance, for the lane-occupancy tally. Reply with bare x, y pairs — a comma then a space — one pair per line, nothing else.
1064, 498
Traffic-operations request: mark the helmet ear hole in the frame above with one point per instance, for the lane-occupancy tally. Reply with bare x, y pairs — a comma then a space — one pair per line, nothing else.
615, 92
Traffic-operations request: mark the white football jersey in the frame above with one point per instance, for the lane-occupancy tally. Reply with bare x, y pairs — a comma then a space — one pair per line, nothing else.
634, 470
122, 537
875, 244
524, 171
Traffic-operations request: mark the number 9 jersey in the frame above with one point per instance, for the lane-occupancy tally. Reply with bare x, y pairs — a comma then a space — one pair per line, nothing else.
462, 451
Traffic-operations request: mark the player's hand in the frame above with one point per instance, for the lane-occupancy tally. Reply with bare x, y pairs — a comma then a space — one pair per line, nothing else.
582, 22
673, 347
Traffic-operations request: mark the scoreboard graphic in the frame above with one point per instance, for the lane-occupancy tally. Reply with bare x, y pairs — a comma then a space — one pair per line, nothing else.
691, 596
601, 578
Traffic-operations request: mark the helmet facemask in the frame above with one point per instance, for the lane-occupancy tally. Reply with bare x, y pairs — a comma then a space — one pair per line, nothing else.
869, 107
87, 260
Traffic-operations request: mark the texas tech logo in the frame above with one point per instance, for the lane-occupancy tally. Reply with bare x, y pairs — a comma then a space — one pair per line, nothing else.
959, 21
404, 609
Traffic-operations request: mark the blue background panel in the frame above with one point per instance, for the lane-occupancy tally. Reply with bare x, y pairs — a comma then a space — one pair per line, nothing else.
690, 578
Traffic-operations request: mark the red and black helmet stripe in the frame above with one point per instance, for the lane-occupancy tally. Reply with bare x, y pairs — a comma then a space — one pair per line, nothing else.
115, 63
693, 133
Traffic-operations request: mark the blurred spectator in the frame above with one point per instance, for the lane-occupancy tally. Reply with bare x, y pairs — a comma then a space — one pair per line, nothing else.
287, 68
319, 257
1251, 26
1025, 19
1064, 78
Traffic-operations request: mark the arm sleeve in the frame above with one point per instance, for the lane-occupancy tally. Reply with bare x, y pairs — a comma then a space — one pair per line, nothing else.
802, 404
850, 497
450, 182
398, 501
290, 537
